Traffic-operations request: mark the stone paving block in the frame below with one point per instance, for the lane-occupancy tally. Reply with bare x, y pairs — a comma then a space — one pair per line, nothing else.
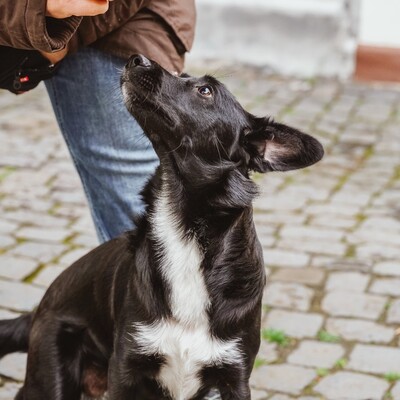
307, 276
6, 241
393, 315
351, 281
294, 324
268, 352
14, 366
375, 359
48, 274
6, 314
302, 232
359, 330
283, 378
281, 397
258, 394
367, 235
16, 268
285, 258
37, 219
42, 252
7, 226
344, 210
316, 354
19, 296
43, 234
314, 246
396, 391
68, 258
351, 386
288, 295
345, 304
391, 268
333, 222
9, 390
87, 241
389, 286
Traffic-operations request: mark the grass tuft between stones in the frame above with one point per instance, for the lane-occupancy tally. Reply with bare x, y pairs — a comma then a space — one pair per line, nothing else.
392, 376
327, 337
275, 336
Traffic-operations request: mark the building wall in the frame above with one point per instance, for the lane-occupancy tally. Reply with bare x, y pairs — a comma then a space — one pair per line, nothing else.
293, 37
379, 23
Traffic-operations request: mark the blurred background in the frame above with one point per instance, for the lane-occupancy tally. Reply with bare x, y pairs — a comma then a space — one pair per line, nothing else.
330, 38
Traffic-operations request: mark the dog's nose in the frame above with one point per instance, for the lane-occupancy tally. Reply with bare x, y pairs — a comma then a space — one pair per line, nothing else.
137, 60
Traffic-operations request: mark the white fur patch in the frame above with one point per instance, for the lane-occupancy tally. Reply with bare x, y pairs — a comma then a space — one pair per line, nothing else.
186, 351
184, 340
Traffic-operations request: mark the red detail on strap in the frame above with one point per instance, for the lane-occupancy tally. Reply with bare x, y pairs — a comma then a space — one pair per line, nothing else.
24, 79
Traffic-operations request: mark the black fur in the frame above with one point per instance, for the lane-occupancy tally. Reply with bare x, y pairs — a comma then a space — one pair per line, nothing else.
207, 146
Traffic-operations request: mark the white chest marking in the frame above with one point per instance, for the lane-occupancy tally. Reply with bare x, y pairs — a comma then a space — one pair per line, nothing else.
180, 266
184, 340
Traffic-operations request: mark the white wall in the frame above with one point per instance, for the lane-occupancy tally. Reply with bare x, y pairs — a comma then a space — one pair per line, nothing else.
293, 37
380, 23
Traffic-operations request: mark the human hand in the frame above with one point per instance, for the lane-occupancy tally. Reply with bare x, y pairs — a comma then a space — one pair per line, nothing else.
55, 57
66, 8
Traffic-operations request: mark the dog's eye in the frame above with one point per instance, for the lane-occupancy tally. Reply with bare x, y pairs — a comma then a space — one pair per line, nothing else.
205, 91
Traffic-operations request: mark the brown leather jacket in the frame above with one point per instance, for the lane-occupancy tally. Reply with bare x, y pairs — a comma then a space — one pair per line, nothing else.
162, 30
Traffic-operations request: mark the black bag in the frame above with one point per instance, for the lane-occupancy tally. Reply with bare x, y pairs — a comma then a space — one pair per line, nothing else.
22, 70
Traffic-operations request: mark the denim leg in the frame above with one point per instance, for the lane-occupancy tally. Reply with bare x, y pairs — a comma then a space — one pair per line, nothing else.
111, 154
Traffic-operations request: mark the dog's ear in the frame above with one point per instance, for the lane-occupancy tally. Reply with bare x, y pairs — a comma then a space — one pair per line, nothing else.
277, 147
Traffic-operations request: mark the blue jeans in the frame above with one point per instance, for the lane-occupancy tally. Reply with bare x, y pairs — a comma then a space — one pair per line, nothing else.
111, 154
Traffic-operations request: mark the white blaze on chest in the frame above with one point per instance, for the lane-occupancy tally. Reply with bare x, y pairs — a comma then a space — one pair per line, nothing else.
183, 340
180, 266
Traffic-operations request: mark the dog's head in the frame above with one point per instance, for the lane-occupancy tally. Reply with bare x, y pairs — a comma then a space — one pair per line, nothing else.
184, 115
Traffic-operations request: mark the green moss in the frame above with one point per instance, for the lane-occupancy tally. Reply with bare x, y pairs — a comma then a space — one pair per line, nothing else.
392, 376
275, 336
327, 337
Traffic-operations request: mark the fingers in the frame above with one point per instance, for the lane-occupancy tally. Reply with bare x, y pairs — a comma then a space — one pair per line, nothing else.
55, 57
89, 8
80, 8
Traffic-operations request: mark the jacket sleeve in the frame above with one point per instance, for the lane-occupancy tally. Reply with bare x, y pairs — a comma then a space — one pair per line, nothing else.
24, 25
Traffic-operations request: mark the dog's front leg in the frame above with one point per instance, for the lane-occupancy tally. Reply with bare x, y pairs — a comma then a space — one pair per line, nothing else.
121, 386
239, 391
234, 384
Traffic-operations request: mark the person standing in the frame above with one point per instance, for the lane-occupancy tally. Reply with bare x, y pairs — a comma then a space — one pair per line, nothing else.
90, 42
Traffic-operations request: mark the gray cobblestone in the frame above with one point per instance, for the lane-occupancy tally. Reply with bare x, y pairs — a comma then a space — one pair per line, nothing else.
396, 391
389, 286
283, 258
351, 386
16, 268
295, 324
307, 276
351, 281
316, 354
394, 312
344, 304
288, 295
19, 296
375, 359
283, 378
387, 268
13, 366
359, 330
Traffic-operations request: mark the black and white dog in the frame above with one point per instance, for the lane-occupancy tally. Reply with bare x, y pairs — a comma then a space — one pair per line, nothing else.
172, 308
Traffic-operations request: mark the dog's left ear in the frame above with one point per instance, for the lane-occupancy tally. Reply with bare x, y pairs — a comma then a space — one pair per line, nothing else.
277, 147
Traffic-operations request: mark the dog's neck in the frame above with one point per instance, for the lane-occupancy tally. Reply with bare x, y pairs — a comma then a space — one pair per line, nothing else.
215, 206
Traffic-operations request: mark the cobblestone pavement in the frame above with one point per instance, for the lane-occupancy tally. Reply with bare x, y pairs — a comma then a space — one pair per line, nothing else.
331, 234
